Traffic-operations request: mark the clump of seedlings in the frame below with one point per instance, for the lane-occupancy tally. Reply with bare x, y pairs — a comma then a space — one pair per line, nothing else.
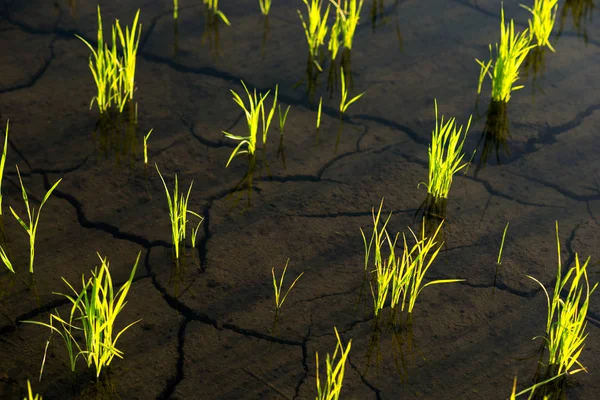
178, 214
566, 321
255, 115
31, 226
113, 70
316, 29
543, 16
510, 54
332, 387
279, 300
399, 278
98, 307
445, 155
347, 17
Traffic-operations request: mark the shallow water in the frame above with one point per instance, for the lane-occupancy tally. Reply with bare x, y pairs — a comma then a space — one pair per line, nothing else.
207, 329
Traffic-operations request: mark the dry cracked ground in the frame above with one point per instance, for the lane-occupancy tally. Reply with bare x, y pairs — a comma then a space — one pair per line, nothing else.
206, 331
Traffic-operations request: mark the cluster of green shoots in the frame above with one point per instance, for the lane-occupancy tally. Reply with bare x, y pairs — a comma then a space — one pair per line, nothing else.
178, 214
543, 16
331, 389
566, 321
510, 54
33, 219
445, 155
255, 115
213, 6
98, 307
347, 15
278, 285
399, 278
114, 73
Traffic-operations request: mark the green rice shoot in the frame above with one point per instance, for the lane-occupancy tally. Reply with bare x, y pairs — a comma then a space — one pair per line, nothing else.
335, 369
114, 73
566, 321
30, 395
445, 155
178, 214
348, 16
344, 102
510, 54
146, 137
3, 162
213, 6
319, 110
282, 117
543, 16
316, 28
499, 261
265, 6
33, 217
255, 114
175, 9
277, 285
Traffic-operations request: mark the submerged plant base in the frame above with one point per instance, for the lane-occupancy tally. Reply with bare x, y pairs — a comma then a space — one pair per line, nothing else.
495, 135
116, 135
432, 212
553, 390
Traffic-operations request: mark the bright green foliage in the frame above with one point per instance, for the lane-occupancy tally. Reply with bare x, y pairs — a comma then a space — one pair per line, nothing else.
255, 114
542, 21
30, 395
34, 219
502, 244
531, 390
277, 286
319, 110
347, 16
114, 73
399, 277
445, 155
146, 137
344, 103
98, 307
265, 6
213, 5
175, 9
178, 212
2, 163
335, 371
510, 54
566, 321
282, 117
316, 30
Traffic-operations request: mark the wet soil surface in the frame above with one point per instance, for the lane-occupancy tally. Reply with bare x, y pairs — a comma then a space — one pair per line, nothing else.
207, 328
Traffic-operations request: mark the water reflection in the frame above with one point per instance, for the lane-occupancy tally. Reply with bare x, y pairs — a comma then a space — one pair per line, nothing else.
494, 138
535, 66
432, 214
210, 35
581, 11
118, 136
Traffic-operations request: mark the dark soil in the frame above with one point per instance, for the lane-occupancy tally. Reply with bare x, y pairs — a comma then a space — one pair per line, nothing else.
207, 328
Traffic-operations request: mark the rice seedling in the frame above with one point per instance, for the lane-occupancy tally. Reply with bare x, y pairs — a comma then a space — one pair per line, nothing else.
319, 112
344, 102
175, 9
566, 320
279, 300
510, 54
334, 37
349, 15
146, 146
98, 307
178, 214
282, 119
3, 254
3, 162
499, 261
114, 74
34, 218
543, 17
316, 29
332, 388
213, 6
445, 155
255, 114
30, 395
265, 6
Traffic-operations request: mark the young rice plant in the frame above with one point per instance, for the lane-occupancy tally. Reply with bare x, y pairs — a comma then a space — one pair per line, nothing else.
445, 155
344, 102
255, 114
510, 54
347, 16
566, 320
316, 29
178, 213
277, 286
543, 16
332, 388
